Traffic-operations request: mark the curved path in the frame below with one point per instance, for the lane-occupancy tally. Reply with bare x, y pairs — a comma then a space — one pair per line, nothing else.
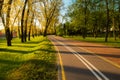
77, 60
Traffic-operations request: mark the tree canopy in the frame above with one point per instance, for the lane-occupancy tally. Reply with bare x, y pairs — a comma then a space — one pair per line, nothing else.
94, 18
32, 17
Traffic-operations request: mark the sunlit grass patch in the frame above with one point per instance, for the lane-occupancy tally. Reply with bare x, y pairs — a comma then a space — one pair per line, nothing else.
33, 60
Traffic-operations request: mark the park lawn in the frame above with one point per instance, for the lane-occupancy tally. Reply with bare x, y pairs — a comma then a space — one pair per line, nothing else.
33, 60
111, 42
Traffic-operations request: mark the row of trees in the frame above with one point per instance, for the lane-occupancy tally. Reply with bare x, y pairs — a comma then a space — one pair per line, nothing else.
29, 16
93, 17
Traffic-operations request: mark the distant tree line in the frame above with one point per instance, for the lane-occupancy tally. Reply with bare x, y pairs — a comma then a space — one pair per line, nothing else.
93, 17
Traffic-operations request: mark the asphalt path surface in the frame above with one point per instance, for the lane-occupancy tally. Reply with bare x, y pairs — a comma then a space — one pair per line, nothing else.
75, 63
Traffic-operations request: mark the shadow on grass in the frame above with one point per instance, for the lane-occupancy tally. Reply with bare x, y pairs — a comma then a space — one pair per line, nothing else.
34, 69
25, 52
35, 42
24, 46
15, 51
6, 66
9, 62
46, 50
30, 48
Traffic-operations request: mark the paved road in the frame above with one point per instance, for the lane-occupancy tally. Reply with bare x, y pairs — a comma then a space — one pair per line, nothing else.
77, 64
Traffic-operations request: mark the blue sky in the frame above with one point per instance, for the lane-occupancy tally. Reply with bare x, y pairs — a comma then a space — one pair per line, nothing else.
66, 4
64, 9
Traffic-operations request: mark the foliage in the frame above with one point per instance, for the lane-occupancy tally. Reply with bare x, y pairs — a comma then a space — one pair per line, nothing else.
50, 13
38, 13
94, 17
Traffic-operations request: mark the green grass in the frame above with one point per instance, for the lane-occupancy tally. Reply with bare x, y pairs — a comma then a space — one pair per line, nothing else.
111, 42
33, 60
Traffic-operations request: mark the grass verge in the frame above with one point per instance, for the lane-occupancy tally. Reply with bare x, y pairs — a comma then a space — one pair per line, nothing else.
111, 42
34, 60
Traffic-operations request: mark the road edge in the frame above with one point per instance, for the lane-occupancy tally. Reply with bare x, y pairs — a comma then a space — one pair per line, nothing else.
61, 64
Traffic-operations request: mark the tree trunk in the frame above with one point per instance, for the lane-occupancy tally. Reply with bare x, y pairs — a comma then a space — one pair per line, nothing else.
54, 28
84, 32
45, 31
114, 30
113, 22
94, 31
85, 19
29, 33
95, 27
19, 32
7, 30
46, 27
22, 22
119, 30
107, 22
8, 37
26, 25
64, 28
119, 20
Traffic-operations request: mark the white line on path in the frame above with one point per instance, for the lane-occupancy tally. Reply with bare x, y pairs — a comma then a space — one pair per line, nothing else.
92, 68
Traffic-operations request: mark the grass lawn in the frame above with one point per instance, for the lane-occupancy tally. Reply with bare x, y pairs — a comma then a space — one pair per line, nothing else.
101, 40
33, 60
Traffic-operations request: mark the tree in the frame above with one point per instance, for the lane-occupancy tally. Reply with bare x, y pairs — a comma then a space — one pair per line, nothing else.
119, 17
89, 17
49, 8
1, 16
1, 4
7, 29
22, 22
31, 24
113, 19
15, 16
107, 22
26, 21
79, 14
86, 3
29, 10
